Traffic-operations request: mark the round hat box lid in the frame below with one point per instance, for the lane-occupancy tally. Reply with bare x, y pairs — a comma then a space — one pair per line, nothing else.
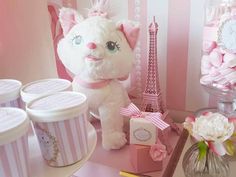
14, 123
9, 90
57, 106
39, 88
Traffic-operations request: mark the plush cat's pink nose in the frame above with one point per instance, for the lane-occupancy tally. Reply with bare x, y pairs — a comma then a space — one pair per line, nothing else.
91, 45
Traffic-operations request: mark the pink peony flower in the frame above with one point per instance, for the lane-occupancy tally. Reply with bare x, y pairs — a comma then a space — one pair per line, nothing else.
158, 152
188, 124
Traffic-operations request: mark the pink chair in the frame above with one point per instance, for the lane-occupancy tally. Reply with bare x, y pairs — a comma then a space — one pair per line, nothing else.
57, 34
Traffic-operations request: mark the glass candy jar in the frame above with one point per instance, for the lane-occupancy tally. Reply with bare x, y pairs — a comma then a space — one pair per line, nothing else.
218, 63
211, 165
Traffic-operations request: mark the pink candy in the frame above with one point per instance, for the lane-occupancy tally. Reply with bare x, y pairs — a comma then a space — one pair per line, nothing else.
208, 46
216, 58
218, 69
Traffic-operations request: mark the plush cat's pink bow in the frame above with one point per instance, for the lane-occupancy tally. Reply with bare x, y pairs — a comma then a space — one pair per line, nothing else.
154, 118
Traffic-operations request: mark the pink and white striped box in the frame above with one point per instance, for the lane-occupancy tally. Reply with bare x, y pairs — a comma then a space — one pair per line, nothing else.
60, 123
39, 88
14, 151
10, 93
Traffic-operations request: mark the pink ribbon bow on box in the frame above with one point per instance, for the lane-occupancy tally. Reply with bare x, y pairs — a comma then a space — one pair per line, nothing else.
154, 118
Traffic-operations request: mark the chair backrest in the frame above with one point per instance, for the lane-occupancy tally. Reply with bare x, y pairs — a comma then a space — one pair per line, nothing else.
57, 34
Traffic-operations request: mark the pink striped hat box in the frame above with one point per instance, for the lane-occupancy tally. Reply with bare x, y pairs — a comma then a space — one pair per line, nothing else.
14, 150
39, 88
10, 93
60, 123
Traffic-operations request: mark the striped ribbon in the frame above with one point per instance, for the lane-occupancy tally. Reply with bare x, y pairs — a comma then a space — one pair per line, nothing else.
154, 118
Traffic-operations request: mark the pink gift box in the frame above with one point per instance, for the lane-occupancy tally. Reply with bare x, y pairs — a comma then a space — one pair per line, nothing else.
10, 93
142, 161
14, 150
60, 123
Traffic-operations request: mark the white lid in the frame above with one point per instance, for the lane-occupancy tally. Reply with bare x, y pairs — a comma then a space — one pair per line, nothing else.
9, 90
14, 123
39, 88
57, 106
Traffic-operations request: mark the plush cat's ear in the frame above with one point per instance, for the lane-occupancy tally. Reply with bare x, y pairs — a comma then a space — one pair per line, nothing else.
130, 31
68, 18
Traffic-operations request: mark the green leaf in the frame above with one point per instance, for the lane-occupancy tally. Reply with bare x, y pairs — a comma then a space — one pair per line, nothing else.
229, 147
234, 134
202, 147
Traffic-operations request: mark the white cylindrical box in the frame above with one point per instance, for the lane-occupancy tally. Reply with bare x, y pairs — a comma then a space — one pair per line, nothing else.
10, 93
14, 150
60, 123
39, 88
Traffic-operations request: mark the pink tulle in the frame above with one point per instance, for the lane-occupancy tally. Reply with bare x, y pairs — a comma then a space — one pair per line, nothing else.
99, 8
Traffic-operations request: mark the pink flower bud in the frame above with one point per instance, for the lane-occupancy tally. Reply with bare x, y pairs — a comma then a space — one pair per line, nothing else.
158, 152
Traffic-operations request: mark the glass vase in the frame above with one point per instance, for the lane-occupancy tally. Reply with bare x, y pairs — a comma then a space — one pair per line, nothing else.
211, 165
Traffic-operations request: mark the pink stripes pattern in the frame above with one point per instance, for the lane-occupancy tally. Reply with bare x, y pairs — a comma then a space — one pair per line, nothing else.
69, 138
157, 121
17, 103
14, 158
177, 54
155, 117
131, 110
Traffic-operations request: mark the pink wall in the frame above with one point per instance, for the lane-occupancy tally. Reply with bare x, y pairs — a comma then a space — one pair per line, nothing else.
177, 54
26, 50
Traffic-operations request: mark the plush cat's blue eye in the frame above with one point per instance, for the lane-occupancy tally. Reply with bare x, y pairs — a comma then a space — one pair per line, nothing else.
112, 46
77, 40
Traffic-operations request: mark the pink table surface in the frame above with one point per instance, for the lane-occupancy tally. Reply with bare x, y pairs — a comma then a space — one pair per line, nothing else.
109, 163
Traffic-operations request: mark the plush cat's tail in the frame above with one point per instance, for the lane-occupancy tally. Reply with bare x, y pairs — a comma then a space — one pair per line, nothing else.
99, 8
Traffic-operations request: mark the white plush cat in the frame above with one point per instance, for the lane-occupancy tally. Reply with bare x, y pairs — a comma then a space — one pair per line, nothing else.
98, 52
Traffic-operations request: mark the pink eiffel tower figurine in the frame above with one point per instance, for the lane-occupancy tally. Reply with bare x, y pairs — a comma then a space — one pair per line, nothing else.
152, 98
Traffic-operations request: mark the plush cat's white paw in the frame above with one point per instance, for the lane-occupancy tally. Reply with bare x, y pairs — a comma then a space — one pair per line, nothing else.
114, 140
